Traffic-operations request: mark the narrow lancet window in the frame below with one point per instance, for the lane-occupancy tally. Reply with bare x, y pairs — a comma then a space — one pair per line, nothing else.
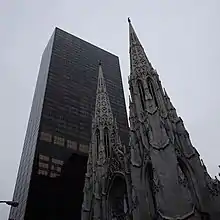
97, 142
151, 90
106, 142
142, 94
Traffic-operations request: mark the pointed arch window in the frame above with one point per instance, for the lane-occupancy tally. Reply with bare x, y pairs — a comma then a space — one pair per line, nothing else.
106, 142
97, 142
151, 90
141, 92
187, 180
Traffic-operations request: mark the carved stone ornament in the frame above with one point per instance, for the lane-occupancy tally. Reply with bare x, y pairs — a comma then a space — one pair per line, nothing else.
120, 156
151, 107
134, 198
146, 156
184, 140
156, 182
173, 116
157, 134
113, 138
116, 165
101, 160
213, 185
168, 127
135, 151
87, 195
181, 177
178, 151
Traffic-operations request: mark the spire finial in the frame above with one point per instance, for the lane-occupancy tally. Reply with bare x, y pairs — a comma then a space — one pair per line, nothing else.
100, 62
129, 20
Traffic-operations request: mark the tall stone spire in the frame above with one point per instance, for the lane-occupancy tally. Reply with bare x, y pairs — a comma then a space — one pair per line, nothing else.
166, 171
137, 53
103, 112
106, 158
146, 89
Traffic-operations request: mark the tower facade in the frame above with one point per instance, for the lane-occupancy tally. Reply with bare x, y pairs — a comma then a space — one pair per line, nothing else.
107, 189
168, 177
53, 163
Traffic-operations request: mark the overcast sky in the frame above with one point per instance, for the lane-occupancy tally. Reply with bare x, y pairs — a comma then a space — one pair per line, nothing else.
181, 39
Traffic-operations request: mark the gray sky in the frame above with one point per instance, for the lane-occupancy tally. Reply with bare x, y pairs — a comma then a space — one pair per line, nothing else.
181, 39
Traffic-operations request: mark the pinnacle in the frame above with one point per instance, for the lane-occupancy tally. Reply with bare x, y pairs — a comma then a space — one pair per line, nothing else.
101, 93
136, 47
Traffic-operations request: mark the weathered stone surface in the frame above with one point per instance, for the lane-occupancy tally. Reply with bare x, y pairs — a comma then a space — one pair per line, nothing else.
107, 189
159, 175
169, 179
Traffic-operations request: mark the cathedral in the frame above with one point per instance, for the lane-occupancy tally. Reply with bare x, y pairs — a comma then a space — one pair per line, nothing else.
160, 175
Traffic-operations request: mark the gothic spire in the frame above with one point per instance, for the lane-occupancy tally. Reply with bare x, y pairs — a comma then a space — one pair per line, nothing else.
137, 54
103, 112
132, 35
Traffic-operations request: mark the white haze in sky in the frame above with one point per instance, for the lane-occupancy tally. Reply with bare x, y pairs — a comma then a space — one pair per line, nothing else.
181, 39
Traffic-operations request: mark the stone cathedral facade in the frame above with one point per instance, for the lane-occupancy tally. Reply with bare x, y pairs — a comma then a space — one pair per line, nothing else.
159, 176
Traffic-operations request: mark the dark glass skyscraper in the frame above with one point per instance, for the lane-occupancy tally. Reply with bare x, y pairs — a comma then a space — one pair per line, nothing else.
53, 163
